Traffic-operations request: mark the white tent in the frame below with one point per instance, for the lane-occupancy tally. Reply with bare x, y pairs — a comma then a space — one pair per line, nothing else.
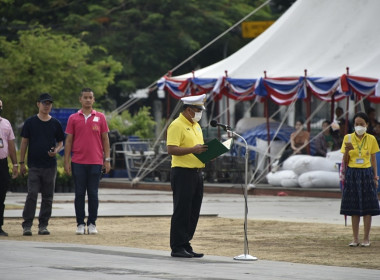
336, 41
322, 36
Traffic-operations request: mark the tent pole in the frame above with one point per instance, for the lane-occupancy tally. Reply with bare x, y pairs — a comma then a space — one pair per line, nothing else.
346, 117
268, 130
168, 100
228, 106
347, 106
308, 111
167, 106
218, 112
332, 107
266, 113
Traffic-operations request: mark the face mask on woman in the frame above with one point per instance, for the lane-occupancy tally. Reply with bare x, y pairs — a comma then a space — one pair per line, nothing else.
360, 130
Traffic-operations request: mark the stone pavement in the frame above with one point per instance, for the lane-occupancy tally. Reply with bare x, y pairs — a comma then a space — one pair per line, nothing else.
33, 260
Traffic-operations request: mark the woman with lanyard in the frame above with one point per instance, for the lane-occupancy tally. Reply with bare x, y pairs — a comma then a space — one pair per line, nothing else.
359, 197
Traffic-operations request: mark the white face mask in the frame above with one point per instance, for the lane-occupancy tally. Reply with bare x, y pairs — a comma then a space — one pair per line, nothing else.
360, 130
197, 116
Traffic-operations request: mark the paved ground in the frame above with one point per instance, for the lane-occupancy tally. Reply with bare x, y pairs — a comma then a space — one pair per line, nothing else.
32, 260
130, 202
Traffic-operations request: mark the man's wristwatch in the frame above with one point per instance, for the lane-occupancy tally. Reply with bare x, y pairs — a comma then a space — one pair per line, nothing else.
107, 159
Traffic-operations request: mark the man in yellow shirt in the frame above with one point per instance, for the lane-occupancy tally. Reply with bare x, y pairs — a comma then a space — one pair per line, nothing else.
185, 138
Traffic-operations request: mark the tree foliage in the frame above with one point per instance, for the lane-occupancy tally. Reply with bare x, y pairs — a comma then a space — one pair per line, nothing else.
140, 124
43, 61
149, 37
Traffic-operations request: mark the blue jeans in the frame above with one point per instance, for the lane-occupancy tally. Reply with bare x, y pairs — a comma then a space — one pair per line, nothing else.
86, 178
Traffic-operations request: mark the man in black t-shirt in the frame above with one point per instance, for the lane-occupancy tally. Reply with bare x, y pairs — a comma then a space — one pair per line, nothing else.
43, 136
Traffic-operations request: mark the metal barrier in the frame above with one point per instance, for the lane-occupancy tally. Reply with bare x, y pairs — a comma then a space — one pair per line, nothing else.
132, 157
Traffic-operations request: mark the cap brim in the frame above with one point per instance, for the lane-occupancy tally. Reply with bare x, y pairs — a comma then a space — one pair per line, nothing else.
46, 100
200, 107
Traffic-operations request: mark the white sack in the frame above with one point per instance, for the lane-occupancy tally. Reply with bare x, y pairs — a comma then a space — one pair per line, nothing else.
262, 146
289, 183
336, 156
275, 179
288, 164
314, 163
319, 179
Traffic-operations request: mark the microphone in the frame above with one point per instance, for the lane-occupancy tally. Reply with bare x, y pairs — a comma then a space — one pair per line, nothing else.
214, 123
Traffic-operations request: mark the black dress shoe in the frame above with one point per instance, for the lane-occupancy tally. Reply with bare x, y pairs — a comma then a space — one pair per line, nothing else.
181, 254
196, 255
3, 233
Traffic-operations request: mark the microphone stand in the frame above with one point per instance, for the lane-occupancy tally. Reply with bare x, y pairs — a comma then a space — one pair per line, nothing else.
245, 256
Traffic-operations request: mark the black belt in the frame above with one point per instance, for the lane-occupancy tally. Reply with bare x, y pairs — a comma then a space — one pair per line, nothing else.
190, 169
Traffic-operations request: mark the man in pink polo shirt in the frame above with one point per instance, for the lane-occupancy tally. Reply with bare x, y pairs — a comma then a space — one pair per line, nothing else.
88, 145
7, 148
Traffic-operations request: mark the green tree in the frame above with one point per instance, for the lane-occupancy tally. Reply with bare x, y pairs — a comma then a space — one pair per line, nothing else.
42, 61
140, 124
149, 37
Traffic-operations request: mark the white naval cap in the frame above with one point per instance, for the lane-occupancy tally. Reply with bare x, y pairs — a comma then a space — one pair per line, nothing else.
196, 101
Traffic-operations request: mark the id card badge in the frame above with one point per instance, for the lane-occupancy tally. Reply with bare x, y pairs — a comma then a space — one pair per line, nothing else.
359, 160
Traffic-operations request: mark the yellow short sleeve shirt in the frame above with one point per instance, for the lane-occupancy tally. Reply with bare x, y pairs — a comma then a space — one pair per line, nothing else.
183, 133
366, 147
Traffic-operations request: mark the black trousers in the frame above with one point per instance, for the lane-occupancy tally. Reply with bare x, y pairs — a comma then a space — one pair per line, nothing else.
187, 187
39, 180
4, 183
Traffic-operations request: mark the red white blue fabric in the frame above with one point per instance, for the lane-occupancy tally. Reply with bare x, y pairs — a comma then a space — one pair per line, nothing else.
282, 90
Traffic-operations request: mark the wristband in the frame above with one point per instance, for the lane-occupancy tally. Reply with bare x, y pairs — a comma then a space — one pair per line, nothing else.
107, 159
15, 165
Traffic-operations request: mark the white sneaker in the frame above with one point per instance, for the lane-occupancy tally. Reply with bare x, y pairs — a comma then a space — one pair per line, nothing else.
92, 229
80, 230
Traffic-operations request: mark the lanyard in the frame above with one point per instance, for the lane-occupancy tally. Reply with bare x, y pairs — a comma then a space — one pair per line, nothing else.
361, 146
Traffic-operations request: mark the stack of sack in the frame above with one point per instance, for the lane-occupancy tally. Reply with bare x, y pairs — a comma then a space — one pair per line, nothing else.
308, 171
